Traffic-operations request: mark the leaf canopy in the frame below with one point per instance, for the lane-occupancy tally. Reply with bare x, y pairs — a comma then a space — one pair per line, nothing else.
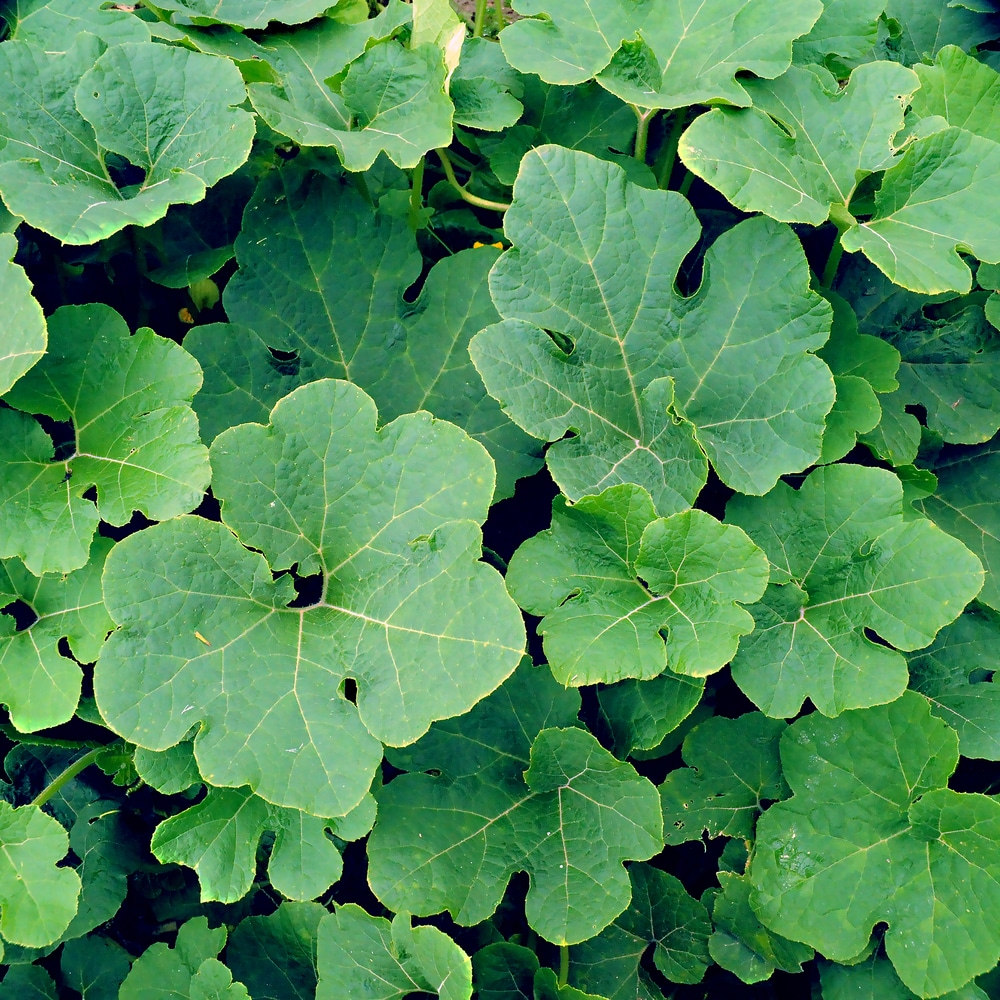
520, 793
248, 13
622, 593
53, 24
651, 379
168, 113
868, 803
843, 561
405, 609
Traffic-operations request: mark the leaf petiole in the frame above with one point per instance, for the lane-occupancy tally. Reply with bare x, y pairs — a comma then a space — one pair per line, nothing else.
66, 776
642, 130
563, 965
472, 199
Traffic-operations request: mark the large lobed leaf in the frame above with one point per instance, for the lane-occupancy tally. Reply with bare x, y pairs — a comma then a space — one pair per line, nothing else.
25, 336
645, 379
389, 518
843, 561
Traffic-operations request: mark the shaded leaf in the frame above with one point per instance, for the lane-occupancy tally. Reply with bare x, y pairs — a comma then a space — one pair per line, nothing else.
390, 519
843, 561
94, 966
595, 259
518, 795
623, 593
870, 803
135, 437
28, 982
875, 979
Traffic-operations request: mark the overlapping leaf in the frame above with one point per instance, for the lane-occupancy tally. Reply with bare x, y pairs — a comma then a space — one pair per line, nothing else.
518, 793
166, 113
218, 838
611, 582
25, 336
94, 966
594, 260
134, 438
53, 24
361, 957
37, 898
390, 520
319, 293
962, 91
662, 915
733, 768
671, 56
846, 30
965, 504
503, 971
870, 802
843, 560
485, 88
804, 146
248, 13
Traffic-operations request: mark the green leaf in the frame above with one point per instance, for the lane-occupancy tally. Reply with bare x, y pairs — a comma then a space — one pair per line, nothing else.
26, 336
367, 958
623, 593
38, 684
965, 505
847, 29
870, 802
640, 714
169, 771
856, 411
661, 914
927, 26
247, 13
961, 90
406, 609
28, 982
896, 438
94, 966
276, 955
321, 283
805, 145
53, 24
843, 561
951, 673
391, 99
37, 899
485, 88
733, 768
135, 438
218, 838
595, 259
168, 111
187, 970
741, 943
875, 979
934, 201
502, 818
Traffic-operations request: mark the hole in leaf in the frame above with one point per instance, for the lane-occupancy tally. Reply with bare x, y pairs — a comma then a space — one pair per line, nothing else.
209, 508
125, 176
564, 343
284, 362
872, 636
22, 613
116, 532
63, 436
90, 493
349, 689
920, 412
64, 650
308, 590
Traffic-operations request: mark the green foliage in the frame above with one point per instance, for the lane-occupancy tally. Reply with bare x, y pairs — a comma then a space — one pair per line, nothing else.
424, 441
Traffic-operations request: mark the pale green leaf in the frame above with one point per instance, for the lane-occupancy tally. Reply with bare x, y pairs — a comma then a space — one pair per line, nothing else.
435, 22
218, 838
961, 90
53, 24
319, 293
870, 802
276, 955
518, 793
965, 504
38, 684
741, 943
390, 518
361, 957
805, 145
934, 201
37, 899
135, 438
847, 29
247, 13
661, 915
732, 768
844, 560
595, 259
25, 337
485, 88
622, 593
168, 111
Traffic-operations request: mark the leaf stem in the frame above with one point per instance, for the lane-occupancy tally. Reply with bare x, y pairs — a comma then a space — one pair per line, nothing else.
33, 740
57, 783
667, 155
477, 27
832, 262
417, 193
472, 199
498, 15
494, 558
563, 965
685, 184
642, 130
